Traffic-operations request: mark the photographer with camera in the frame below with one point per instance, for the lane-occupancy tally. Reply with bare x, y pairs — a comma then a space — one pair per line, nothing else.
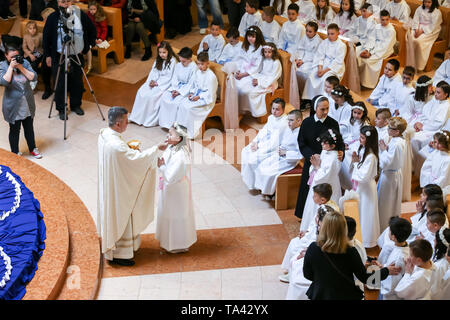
72, 26
18, 100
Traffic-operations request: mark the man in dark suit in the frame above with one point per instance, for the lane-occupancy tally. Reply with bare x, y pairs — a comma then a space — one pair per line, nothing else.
83, 34
37, 6
310, 130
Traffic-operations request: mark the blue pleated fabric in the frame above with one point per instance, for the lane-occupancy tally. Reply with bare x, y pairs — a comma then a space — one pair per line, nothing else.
22, 236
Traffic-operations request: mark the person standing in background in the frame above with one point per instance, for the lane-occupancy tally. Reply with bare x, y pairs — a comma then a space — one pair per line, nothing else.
236, 9
203, 19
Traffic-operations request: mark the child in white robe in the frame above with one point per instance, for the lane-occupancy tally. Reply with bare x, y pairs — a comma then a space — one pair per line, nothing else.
378, 5
253, 89
194, 109
381, 123
401, 93
346, 16
341, 109
440, 282
436, 168
364, 169
232, 49
328, 61
392, 157
147, 103
399, 231
306, 11
426, 26
324, 14
264, 144
269, 27
291, 31
443, 72
330, 83
414, 103
251, 17
179, 89
324, 169
282, 160
399, 10
213, 42
436, 220
379, 46
363, 26
380, 96
280, 6
175, 224
416, 282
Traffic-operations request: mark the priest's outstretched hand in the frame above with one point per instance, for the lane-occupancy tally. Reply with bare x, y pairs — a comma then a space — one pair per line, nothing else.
163, 146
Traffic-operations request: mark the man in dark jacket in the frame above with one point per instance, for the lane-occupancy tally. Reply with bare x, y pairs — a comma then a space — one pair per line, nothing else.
83, 33
37, 6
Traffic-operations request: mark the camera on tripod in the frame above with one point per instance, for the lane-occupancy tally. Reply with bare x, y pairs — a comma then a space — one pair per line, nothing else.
66, 19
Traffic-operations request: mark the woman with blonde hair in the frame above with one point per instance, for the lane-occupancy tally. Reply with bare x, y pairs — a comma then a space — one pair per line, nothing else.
331, 263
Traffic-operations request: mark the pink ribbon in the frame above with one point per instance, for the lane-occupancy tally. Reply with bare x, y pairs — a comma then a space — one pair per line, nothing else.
354, 184
161, 183
311, 177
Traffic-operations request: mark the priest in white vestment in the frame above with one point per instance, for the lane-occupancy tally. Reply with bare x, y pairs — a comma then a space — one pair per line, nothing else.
126, 189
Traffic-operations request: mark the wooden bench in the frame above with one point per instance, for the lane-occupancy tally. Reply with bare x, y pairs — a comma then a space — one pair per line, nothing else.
286, 190
351, 210
6, 26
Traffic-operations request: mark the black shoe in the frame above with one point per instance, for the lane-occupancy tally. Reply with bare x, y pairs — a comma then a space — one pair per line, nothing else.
47, 94
78, 111
61, 116
147, 54
122, 262
4, 17
128, 52
11, 15
152, 38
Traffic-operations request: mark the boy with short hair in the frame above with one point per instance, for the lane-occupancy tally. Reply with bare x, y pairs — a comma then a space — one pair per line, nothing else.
363, 25
213, 42
381, 124
399, 10
330, 83
436, 219
232, 48
401, 92
291, 31
380, 95
252, 17
269, 27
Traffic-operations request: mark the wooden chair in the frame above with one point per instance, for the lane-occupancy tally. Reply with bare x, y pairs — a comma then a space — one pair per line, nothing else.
219, 108
351, 210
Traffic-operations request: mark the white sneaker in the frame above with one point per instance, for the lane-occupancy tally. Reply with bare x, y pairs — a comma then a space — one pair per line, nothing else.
19, 153
33, 84
284, 278
35, 153
202, 30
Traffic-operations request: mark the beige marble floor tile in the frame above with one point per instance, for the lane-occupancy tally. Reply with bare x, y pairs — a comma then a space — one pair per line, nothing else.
224, 220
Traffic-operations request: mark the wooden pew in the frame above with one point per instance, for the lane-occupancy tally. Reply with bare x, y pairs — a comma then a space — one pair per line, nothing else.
400, 34
6, 26
351, 210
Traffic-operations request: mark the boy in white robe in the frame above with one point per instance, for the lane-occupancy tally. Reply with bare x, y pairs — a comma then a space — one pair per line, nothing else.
232, 49
401, 93
363, 25
291, 31
194, 109
382, 124
269, 27
328, 61
399, 10
379, 46
392, 157
175, 225
251, 17
416, 282
436, 220
436, 168
284, 159
178, 90
125, 190
264, 144
380, 97
440, 283
306, 11
213, 42
443, 72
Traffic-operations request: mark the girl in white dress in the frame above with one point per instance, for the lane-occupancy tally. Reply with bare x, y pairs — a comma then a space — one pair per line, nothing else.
324, 169
426, 26
146, 105
415, 102
324, 14
365, 169
341, 110
436, 168
307, 11
175, 224
280, 7
346, 16
440, 282
253, 89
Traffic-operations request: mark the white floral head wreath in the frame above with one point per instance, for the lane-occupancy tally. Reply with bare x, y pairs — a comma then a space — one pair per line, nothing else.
267, 47
337, 93
441, 235
180, 130
317, 101
252, 28
425, 84
332, 134
323, 207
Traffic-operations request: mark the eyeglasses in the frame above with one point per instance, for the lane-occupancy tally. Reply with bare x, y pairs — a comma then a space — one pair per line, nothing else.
390, 128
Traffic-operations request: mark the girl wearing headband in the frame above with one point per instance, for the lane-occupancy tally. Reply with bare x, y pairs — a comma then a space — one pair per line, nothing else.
440, 285
341, 109
415, 102
249, 59
436, 168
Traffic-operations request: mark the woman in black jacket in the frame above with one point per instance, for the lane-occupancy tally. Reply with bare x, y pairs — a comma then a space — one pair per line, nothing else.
331, 262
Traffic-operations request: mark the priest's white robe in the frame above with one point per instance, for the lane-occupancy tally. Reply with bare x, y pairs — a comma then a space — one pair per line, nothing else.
290, 35
345, 24
399, 11
368, 204
329, 55
400, 94
192, 114
270, 31
415, 286
327, 173
362, 29
215, 45
307, 11
323, 23
391, 180
380, 95
380, 45
249, 20
268, 139
126, 192
442, 73
229, 53
440, 281
306, 50
396, 256
181, 82
175, 223
430, 23
436, 169
146, 105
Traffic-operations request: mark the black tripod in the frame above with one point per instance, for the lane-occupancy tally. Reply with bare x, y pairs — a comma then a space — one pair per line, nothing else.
67, 44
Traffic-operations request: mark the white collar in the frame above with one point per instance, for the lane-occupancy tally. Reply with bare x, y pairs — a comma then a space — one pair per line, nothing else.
317, 119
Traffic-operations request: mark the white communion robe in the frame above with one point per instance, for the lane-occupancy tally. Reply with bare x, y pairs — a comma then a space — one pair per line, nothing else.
306, 50
267, 139
253, 98
399, 11
249, 61
345, 25
272, 167
329, 55
413, 110
430, 23
147, 103
279, 5
381, 46
436, 169
415, 286
175, 223
215, 46
383, 134
323, 23
249, 20
192, 114
270, 31
307, 11
290, 35
181, 82
362, 29
396, 255
327, 173
342, 115
400, 94
378, 5
440, 282
442, 73
229, 53
380, 95
126, 192
391, 180
368, 203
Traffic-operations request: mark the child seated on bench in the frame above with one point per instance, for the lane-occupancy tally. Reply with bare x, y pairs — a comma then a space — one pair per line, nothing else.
306, 11
399, 10
379, 97
324, 14
436, 168
269, 27
363, 26
251, 17
443, 72
232, 49
346, 16
291, 31
213, 42
401, 93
